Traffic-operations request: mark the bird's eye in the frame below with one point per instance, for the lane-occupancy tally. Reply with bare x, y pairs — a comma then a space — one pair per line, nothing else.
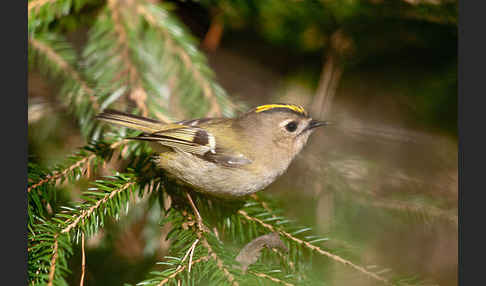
291, 126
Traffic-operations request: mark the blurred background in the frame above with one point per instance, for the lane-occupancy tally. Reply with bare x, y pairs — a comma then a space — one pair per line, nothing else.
382, 181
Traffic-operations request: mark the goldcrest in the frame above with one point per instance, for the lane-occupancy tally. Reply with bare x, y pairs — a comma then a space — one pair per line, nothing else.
226, 157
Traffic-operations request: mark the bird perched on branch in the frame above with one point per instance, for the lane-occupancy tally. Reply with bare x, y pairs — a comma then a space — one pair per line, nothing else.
226, 157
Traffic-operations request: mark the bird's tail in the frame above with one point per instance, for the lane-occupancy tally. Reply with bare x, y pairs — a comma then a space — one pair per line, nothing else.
131, 121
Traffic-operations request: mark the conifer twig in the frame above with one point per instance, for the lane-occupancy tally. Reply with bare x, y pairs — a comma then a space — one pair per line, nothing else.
219, 262
51, 54
268, 209
317, 249
52, 269
196, 213
341, 47
83, 260
207, 90
201, 229
137, 92
88, 212
63, 173
188, 252
204, 258
85, 161
193, 247
263, 203
263, 275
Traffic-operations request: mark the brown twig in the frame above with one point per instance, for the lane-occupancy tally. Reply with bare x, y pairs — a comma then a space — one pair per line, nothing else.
322, 99
66, 67
58, 175
179, 270
219, 262
263, 203
138, 93
316, 249
207, 90
263, 275
83, 260
285, 259
268, 209
88, 212
191, 255
341, 47
200, 223
213, 36
200, 230
188, 252
52, 269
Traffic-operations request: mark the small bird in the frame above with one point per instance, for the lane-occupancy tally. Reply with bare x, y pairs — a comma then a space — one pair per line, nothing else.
226, 157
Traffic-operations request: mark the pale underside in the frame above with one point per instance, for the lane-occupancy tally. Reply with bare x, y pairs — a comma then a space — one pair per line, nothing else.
212, 178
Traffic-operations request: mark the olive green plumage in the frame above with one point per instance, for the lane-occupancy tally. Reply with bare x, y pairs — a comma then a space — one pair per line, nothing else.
226, 157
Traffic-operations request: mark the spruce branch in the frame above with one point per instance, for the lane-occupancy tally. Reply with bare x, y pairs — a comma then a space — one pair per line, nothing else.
47, 234
181, 45
264, 204
123, 64
66, 68
54, 178
41, 190
266, 276
182, 235
207, 91
138, 93
218, 261
108, 197
82, 163
124, 56
41, 13
201, 230
84, 214
83, 261
48, 252
210, 241
182, 268
52, 269
193, 247
56, 57
315, 248
285, 259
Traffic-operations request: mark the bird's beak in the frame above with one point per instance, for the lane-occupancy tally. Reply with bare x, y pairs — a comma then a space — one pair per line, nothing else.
315, 123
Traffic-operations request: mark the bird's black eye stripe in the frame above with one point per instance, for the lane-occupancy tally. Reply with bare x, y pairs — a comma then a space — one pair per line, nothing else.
291, 126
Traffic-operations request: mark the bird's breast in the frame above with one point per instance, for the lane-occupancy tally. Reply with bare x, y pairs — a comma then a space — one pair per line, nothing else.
217, 180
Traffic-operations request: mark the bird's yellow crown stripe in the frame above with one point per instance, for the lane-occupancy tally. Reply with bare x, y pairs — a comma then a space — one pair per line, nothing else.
296, 108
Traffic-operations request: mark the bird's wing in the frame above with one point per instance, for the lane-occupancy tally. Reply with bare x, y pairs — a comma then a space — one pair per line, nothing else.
227, 158
197, 141
193, 140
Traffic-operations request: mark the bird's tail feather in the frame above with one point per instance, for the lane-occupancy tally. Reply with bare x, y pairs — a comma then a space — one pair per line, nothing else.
131, 121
